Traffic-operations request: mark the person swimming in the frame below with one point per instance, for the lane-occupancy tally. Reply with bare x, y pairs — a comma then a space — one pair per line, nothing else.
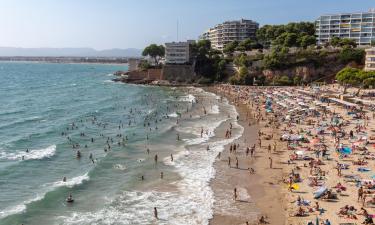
64, 179
78, 154
70, 199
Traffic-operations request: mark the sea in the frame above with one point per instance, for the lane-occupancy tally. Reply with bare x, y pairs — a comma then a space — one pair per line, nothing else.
124, 149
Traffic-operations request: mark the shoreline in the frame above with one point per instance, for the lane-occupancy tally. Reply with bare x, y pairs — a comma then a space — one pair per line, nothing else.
260, 187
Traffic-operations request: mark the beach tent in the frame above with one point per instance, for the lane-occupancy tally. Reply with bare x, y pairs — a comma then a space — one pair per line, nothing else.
320, 191
345, 150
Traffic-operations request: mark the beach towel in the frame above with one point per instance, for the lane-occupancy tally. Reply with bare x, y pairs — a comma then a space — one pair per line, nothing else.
363, 169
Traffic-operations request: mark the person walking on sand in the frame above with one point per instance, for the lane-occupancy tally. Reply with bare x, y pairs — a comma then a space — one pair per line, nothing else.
270, 162
228, 161
235, 194
360, 193
236, 162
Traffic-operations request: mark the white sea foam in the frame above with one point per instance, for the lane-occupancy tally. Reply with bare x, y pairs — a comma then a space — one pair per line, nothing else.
209, 131
31, 155
119, 167
46, 188
191, 204
71, 182
12, 210
187, 98
173, 115
215, 109
19, 208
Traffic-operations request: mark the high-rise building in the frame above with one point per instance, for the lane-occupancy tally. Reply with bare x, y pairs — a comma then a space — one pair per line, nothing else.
370, 59
230, 31
357, 26
178, 52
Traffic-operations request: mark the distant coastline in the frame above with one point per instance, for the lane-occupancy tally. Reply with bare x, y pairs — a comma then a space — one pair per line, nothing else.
73, 60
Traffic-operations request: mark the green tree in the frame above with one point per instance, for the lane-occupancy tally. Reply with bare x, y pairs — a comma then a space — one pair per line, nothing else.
290, 40
335, 42
348, 76
347, 42
276, 59
155, 52
241, 60
284, 34
144, 65
248, 45
220, 74
282, 81
230, 47
307, 40
348, 55
372, 43
297, 80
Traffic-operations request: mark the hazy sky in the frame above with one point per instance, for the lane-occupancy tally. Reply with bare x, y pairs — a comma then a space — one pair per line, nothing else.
105, 24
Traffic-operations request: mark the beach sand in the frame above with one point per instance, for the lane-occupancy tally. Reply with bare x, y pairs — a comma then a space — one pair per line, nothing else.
267, 192
259, 193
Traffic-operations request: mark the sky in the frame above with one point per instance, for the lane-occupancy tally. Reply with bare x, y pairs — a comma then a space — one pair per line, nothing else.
105, 24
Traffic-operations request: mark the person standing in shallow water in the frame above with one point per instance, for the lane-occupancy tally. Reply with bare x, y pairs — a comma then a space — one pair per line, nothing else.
156, 159
156, 213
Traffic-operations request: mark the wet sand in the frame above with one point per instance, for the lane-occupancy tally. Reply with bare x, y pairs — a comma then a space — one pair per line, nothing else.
259, 193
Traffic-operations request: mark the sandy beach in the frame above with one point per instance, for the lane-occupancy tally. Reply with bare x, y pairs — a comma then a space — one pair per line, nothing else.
313, 179
260, 191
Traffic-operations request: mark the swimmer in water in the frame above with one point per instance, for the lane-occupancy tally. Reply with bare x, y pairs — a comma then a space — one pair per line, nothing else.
64, 179
78, 154
70, 199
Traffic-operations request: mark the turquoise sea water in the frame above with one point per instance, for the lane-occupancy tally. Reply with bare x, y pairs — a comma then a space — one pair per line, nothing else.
46, 109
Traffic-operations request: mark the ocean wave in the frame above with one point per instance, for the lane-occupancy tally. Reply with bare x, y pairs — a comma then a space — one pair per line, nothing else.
173, 209
11, 112
46, 188
209, 131
215, 109
19, 208
191, 204
19, 122
119, 167
173, 115
188, 98
71, 182
31, 155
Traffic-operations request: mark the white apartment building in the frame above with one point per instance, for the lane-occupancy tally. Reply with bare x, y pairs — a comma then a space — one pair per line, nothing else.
230, 31
178, 52
357, 26
370, 59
